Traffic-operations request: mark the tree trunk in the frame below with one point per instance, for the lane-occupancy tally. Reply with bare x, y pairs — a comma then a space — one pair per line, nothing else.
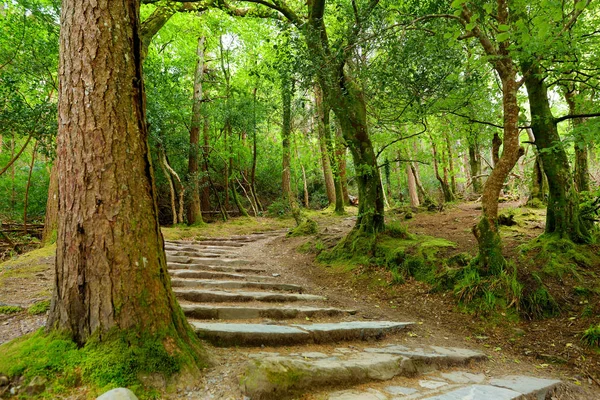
254, 156
287, 90
538, 184
322, 127
412, 187
340, 156
490, 256
582, 172
475, 165
167, 174
446, 189
51, 218
204, 182
562, 216
194, 211
451, 170
26, 202
111, 272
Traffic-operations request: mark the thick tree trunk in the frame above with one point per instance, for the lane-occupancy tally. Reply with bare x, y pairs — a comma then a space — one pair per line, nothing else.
287, 90
204, 182
486, 232
111, 272
350, 110
51, 218
322, 127
194, 211
582, 172
562, 216
412, 187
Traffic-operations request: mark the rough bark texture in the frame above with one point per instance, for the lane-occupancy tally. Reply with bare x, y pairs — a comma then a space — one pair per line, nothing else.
340, 157
322, 119
412, 187
446, 189
194, 210
582, 172
205, 183
111, 269
562, 216
475, 165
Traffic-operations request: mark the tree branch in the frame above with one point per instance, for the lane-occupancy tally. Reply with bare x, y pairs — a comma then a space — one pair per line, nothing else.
573, 116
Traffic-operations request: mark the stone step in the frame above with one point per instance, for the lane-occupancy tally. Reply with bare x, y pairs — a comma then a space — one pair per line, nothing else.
208, 242
208, 267
206, 260
202, 296
280, 377
198, 311
195, 254
200, 249
460, 385
200, 274
269, 334
208, 283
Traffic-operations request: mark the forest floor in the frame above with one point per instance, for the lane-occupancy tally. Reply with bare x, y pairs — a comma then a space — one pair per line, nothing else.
547, 347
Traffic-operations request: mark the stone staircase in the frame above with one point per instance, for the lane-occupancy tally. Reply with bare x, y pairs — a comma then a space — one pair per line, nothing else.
232, 300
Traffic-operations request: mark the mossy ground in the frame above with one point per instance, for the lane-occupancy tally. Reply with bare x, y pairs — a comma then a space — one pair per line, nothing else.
120, 360
234, 226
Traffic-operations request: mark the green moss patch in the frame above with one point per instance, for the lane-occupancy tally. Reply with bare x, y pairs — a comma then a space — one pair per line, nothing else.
119, 360
10, 309
39, 308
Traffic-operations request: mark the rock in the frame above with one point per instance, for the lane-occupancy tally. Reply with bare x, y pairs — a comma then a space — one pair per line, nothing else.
36, 386
281, 377
527, 385
118, 394
4, 381
463, 377
429, 384
399, 390
478, 392
356, 395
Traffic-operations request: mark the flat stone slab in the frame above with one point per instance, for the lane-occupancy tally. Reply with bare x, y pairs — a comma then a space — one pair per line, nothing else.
400, 390
218, 243
203, 254
433, 354
463, 377
199, 311
206, 260
200, 249
526, 385
478, 392
202, 296
356, 395
220, 268
352, 330
282, 377
209, 283
217, 275
249, 334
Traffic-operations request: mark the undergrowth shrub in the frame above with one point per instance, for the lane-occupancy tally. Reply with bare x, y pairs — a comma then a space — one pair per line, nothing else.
591, 336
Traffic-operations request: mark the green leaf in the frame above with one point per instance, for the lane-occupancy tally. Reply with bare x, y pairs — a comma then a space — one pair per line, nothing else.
503, 27
502, 37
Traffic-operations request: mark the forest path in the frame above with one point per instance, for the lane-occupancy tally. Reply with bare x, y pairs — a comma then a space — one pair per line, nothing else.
251, 279
331, 342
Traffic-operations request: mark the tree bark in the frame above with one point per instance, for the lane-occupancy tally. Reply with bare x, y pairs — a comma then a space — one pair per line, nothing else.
412, 187
194, 210
111, 272
562, 216
446, 189
475, 164
582, 172
323, 126
451, 170
204, 182
164, 166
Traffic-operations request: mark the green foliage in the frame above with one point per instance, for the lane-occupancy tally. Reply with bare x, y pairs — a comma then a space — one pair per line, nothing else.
39, 308
306, 228
591, 336
10, 309
114, 361
279, 208
397, 230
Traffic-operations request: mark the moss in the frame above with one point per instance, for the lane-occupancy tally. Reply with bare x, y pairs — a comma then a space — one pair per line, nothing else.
591, 336
118, 360
306, 228
39, 308
10, 309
